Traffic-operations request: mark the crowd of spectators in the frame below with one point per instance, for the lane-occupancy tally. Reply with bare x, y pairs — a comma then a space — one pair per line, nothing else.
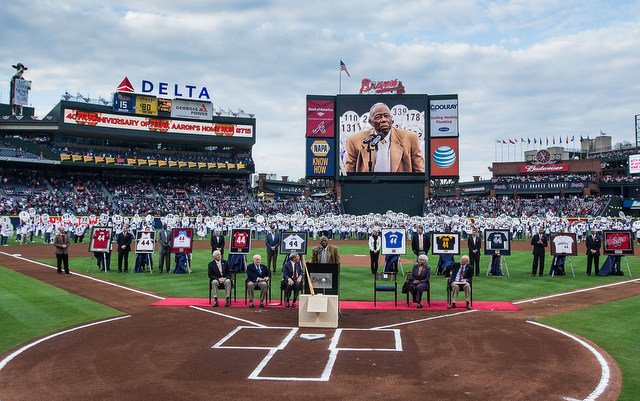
569, 206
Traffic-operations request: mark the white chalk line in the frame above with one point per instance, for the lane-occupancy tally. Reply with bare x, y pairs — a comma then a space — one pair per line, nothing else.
17, 352
575, 291
604, 367
333, 349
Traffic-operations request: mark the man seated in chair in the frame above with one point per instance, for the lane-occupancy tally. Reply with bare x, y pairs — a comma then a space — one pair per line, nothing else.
258, 274
219, 274
460, 277
292, 277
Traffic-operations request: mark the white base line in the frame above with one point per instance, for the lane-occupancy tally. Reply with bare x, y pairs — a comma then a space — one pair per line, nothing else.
425, 319
6, 360
87, 277
333, 351
227, 316
605, 372
575, 292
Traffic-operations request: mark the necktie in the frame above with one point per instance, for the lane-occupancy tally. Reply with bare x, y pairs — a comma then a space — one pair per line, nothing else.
259, 269
460, 273
219, 267
420, 242
295, 272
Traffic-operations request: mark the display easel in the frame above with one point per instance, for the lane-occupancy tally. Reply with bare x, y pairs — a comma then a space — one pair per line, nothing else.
504, 264
104, 261
628, 269
553, 273
317, 310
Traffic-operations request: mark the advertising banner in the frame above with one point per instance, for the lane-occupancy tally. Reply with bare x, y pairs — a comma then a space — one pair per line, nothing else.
320, 118
320, 157
124, 103
443, 115
192, 109
147, 105
543, 168
444, 157
21, 92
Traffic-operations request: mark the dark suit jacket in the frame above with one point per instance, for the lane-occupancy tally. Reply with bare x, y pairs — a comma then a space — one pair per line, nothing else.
404, 150
287, 270
594, 244
332, 254
272, 240
124, 240
538, 249
426, 243
164, 239
467, 274
253, 274
217, 243
474, 245
214, 273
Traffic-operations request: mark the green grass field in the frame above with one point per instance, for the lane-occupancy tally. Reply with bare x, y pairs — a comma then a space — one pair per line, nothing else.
31, 308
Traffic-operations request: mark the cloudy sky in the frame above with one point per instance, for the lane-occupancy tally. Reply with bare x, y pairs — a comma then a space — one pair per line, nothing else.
522, 69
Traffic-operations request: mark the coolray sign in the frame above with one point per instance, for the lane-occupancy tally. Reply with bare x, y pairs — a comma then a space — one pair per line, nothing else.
170, 89
391, 86
105, 120
443, 115
543, 168
192, 109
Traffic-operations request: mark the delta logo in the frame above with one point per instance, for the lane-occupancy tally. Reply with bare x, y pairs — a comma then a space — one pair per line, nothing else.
164, 89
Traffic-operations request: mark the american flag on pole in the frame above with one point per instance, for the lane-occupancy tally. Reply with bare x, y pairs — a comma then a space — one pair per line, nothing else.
343, 67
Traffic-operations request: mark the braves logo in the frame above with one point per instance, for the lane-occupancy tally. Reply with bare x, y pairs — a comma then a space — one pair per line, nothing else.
320, 128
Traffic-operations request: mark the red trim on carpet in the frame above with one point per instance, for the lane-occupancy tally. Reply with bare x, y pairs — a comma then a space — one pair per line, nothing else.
402, 304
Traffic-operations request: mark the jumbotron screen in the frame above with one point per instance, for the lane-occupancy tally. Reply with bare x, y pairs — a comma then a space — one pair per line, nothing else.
365, 149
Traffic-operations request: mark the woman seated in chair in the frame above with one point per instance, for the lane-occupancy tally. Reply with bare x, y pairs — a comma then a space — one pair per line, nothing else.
419, 279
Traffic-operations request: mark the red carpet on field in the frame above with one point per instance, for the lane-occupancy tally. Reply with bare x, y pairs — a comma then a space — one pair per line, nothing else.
402, 304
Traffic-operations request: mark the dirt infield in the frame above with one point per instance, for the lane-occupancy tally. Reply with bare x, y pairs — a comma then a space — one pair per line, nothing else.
168, 353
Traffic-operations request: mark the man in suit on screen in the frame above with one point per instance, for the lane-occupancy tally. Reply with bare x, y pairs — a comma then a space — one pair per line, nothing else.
393, 149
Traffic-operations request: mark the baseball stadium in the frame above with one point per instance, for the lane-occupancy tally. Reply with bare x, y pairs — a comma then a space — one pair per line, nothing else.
145, 181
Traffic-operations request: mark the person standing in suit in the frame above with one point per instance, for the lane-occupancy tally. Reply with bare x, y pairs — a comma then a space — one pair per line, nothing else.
272, 242
475, 244
164, 249
61, 242
292, 277
539, 242
375, 243
398, 150
124, 240
217, 242
258, 275
593, 251
461, 277
325, 253
420, 243
219, 274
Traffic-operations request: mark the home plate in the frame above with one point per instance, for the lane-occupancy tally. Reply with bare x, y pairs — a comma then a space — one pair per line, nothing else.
311, 337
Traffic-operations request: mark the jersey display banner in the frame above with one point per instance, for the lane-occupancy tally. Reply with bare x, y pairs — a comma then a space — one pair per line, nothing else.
497, 241
618, 242
145, 241
100, 240
564, 244
293, 242
240, 240
181, 240
446, 244
394, 241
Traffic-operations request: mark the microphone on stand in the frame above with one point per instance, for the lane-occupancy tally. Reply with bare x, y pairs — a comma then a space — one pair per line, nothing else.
376, 140
370, 138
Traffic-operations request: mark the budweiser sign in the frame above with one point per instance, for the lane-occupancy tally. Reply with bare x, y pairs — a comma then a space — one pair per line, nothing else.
393, 86
543, 168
